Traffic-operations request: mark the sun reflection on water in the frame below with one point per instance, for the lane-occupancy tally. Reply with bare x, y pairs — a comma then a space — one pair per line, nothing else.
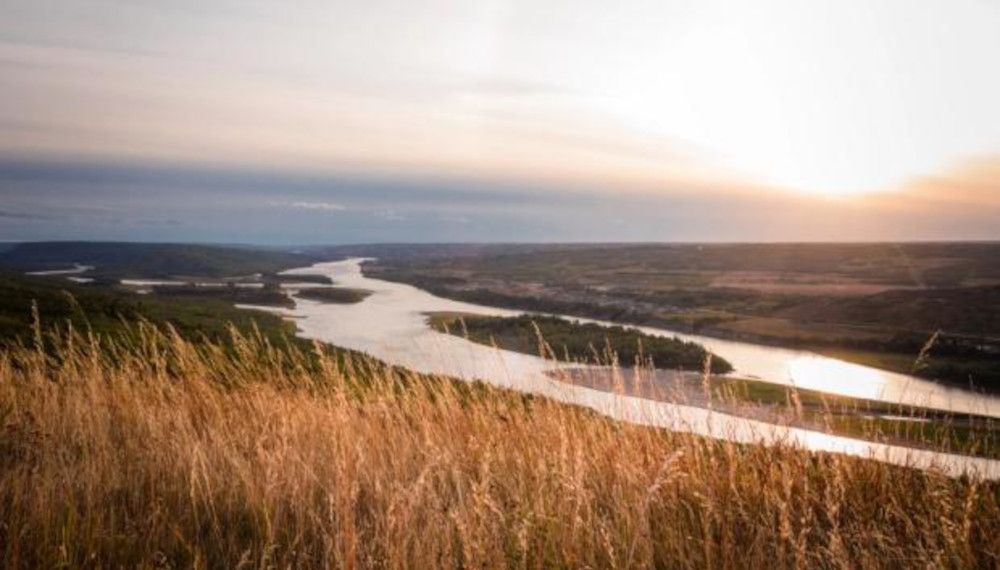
826, 374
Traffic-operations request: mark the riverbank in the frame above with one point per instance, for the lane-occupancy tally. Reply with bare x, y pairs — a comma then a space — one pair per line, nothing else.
959, 372
860, 418
629, 362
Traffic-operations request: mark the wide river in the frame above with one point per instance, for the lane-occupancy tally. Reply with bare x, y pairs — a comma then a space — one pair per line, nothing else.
391, 325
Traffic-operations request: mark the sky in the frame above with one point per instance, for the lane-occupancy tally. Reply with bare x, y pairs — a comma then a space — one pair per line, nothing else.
499, 120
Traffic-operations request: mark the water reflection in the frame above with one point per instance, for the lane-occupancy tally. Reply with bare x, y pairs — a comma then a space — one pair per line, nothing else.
804, 369
819, 373
390, 325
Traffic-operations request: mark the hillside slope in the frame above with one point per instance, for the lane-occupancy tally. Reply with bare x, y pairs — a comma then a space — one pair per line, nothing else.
150, 260
177, 454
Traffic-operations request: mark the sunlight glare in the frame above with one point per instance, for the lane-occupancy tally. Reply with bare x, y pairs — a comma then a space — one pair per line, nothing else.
826, 374
731, 86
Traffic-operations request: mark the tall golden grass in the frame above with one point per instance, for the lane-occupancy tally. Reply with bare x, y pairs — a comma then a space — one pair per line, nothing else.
152, 451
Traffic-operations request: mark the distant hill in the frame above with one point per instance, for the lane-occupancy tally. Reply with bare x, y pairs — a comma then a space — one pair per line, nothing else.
105, 310
149, 260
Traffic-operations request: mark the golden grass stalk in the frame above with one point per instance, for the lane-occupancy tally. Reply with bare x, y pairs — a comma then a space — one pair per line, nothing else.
152, 451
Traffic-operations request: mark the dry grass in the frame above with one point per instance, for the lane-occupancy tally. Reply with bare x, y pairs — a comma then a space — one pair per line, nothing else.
164, 453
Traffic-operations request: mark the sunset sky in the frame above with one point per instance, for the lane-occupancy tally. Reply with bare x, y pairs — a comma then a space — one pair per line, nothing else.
333, 121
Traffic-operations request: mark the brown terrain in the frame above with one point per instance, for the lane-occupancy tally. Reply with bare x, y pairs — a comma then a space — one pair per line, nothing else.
877, 304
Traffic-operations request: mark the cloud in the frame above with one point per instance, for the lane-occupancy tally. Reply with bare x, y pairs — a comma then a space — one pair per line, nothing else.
310, 205
12, 215
324, 206
123, 201
974, 182
390, 215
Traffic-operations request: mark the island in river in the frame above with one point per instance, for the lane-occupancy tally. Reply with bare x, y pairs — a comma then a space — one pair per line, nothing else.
574, 341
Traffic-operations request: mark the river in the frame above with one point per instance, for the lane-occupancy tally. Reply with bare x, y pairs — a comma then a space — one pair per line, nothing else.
390, 325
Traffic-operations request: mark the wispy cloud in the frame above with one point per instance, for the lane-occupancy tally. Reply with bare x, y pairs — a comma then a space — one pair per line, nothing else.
310, 205
15, 215
324, 206
46, 201
390, 215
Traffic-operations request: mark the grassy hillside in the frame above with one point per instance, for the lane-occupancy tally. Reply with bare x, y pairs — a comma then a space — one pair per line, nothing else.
105, 310
565, 340
150, 261
173, 454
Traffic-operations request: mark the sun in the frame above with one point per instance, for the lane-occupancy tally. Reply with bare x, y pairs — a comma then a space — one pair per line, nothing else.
833, 187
